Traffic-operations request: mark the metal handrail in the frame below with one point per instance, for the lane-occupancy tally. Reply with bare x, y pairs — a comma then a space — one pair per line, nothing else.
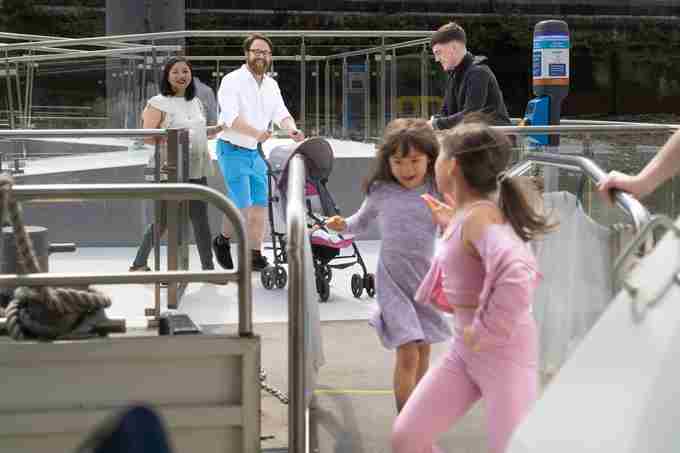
638, 240
25, 37
568, 122
222, 34
167, 192
77, 54
99, 133
590, 128
378, 49
629, 204
297, 346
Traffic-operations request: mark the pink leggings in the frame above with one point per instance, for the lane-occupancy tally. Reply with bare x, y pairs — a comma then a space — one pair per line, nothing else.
448, 390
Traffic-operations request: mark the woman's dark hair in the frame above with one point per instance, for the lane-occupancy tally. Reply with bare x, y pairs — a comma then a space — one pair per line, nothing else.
254, 37
483, 155
402, 135
166, 88
447, 33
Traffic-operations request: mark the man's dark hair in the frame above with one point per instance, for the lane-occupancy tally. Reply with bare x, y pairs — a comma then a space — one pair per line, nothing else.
166, 88
447, 33
255, 36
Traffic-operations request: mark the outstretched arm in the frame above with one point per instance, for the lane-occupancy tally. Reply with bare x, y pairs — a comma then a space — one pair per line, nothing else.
664, 165
362, 219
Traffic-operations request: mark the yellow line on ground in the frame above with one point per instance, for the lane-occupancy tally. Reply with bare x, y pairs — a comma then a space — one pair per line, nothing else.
352, 392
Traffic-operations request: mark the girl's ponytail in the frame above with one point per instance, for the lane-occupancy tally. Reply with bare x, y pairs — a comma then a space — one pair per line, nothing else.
516, 207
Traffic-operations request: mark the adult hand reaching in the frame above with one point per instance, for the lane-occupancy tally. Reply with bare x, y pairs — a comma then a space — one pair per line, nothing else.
621, 181
296, 135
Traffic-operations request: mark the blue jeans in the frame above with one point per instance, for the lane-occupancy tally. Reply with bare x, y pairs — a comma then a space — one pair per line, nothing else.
198, 213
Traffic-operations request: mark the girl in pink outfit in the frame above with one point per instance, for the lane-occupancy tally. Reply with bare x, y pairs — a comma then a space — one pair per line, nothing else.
484, 273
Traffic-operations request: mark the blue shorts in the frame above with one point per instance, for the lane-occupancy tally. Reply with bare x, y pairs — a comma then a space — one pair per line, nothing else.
245, 175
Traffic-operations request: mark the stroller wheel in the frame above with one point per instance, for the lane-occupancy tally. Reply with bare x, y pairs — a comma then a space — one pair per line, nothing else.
327, 273
369, 284
323, 288
267, 277
280, 277
357, 285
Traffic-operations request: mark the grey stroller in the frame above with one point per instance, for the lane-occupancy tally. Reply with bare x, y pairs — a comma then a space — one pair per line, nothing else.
326, 245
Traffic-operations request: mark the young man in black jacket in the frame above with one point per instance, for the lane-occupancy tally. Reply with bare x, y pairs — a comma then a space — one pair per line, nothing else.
471, 87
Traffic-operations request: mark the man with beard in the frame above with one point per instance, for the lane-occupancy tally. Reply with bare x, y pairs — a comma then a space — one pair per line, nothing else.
471, 86
249, 101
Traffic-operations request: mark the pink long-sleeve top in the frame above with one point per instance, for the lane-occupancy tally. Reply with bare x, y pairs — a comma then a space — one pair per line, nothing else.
494, 294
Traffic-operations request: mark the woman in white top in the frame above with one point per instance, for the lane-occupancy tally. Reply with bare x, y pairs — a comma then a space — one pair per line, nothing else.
178, 107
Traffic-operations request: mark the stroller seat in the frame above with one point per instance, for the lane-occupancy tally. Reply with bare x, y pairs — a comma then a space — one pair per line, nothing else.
330, 239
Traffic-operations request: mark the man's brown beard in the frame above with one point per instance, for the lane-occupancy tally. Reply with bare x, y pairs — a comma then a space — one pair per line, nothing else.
253, 65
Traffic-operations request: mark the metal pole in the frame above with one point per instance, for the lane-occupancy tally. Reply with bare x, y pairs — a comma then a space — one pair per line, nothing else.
367, 100
156, 75
29, 87
327, 98
10, 101
318, 76
303, 85
393, 86
124, 97
132, 67
345, 113
173, 213
157, 208
142, 92
424, 75
218, 77
20, 108
298, 433
27, 94
381, 99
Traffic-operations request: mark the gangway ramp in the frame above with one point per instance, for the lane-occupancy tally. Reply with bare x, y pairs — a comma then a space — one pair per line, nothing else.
619, 390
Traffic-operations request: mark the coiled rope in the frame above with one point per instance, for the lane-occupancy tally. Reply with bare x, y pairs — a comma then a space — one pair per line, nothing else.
42, 313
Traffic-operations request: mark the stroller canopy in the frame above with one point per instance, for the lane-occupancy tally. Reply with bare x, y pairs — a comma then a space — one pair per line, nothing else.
318, 156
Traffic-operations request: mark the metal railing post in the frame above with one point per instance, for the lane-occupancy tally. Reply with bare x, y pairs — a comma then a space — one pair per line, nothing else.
424, 79
318, 76
298, 429
367, 100
10, 100
303, 85
327, 97
393, 85
177, 156
382, 91
345, 113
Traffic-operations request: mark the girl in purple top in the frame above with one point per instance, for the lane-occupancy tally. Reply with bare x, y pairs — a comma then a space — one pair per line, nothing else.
485, 273
404, 170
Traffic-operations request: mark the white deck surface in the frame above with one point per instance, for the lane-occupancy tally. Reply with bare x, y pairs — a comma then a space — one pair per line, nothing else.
211, 304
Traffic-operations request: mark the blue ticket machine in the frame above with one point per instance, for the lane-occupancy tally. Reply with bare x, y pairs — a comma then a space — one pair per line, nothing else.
550, 79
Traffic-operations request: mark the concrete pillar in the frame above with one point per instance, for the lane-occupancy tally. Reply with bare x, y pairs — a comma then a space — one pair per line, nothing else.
133, 17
